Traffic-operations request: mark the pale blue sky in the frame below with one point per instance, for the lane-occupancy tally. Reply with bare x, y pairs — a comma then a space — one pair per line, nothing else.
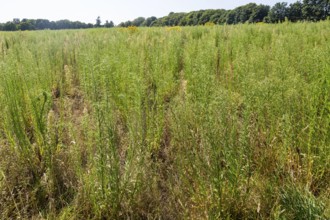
117, 11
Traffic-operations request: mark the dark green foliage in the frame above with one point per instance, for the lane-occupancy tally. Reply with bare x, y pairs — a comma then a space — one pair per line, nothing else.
173, 19
300, 204
109, 24
148, 22
315, 10
312, 10
258, 13
10, 26
138, 21
125, 24
294, 12
98, 22
248, 13
278, 13
26, 26
42, 24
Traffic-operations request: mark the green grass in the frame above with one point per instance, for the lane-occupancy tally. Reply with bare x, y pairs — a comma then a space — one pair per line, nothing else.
221, 122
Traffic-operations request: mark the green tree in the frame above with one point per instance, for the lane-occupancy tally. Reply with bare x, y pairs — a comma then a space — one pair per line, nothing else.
175, 19
278, 12
315, 10
125, 24
259, 13
109, 24
295, 12
206, 16
16, 21
219, 16
138, 21
149, 21
42, 24
98, 22
10, 26
25, 26
247, 13
231, 17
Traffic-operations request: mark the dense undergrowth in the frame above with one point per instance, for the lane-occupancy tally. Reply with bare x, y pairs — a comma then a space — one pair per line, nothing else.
222, 122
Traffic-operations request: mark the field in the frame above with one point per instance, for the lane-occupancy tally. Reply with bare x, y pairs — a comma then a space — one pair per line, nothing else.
219, 122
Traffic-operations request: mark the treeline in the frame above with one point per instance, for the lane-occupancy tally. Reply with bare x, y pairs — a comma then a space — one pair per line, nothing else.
306, 10
42, 24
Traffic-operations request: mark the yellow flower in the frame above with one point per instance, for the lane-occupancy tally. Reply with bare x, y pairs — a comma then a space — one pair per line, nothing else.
175, 28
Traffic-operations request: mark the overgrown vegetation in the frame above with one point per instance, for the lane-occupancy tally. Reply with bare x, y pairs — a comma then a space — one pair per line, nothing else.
214, 122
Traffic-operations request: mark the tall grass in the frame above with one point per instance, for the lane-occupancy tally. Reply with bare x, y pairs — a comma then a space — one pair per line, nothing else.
221, 122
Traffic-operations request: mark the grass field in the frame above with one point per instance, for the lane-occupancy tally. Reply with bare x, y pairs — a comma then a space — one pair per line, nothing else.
222, 122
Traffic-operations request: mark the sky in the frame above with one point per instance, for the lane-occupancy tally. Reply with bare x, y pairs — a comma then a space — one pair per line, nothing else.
113, 10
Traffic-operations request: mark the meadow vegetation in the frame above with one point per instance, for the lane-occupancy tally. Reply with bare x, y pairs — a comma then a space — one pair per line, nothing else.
213, 122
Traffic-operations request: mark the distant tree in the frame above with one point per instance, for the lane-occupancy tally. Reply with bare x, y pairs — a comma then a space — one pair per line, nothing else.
315, 10
219, 16
52, 25
231, 17
295, 11
125, 24
278, 12
25, 26
148, 22
64, 24
173, 19
138, 21
78, 25
259, 13
41, 24
121, 24
206, 16
247, 13
109, 24
189, 19
10, 26
98, 22
16, 21
197, 17
128, 23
